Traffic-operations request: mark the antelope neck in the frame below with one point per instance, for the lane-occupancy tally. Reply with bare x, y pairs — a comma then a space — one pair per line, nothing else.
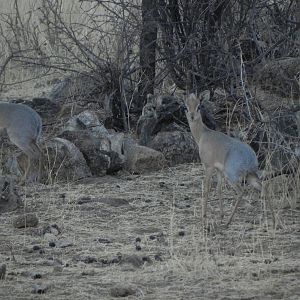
197, 129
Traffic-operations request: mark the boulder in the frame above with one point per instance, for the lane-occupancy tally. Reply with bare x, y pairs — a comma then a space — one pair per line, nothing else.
87, 120
65, 161
26, 220
177, 147
158, 112
141, 159
116, 142
96, 150
101, 149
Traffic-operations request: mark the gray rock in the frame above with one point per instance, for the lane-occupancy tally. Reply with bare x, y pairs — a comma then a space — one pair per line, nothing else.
58, 269
123, 290
53, 229
90, 272
39, 288
177, 146
87, 120
117, 142
26, 220
134, 260
35, 275
50, 237
66, 162
102, 151
64, 243
95, 150
141, 159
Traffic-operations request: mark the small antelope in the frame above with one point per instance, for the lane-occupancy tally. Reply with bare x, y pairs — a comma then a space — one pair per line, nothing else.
218, 151
23, 126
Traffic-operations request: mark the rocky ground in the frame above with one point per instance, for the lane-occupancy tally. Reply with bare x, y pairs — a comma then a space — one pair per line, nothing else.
140, 237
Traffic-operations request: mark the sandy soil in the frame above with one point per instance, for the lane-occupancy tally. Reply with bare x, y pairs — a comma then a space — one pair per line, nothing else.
142, 236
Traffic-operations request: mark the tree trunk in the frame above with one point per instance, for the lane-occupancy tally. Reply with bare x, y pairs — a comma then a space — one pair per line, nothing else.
148, 42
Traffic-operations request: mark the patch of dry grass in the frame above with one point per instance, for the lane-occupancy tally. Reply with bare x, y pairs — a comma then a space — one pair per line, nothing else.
27, 34
249, 260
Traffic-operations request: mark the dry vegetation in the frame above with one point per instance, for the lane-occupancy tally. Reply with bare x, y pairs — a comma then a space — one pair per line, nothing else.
104, 217
140, 232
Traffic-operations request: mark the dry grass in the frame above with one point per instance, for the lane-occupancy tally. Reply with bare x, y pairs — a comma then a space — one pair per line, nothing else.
250, 260
26, 28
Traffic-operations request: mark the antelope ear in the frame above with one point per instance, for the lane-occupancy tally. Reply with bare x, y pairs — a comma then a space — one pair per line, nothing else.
205, 95
186, 97
190, 97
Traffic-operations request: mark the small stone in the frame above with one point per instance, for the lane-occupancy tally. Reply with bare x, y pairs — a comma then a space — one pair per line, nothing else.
49, 237
134, 260
64, 244
26, 273
88, 259
123, 290
104, 240
26, 220
57, 269
138, 248
88, 272
162, 184
2, 271
84, 199
181, 233
152, 237
114, 260
104, 261
39, 289
36, 247
28, 250
157, 257
53, 229
36, 275
138, 239
147, 259
267, 261
52, 244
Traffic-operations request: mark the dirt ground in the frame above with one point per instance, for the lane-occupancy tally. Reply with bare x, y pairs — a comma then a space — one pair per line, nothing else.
140, 236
